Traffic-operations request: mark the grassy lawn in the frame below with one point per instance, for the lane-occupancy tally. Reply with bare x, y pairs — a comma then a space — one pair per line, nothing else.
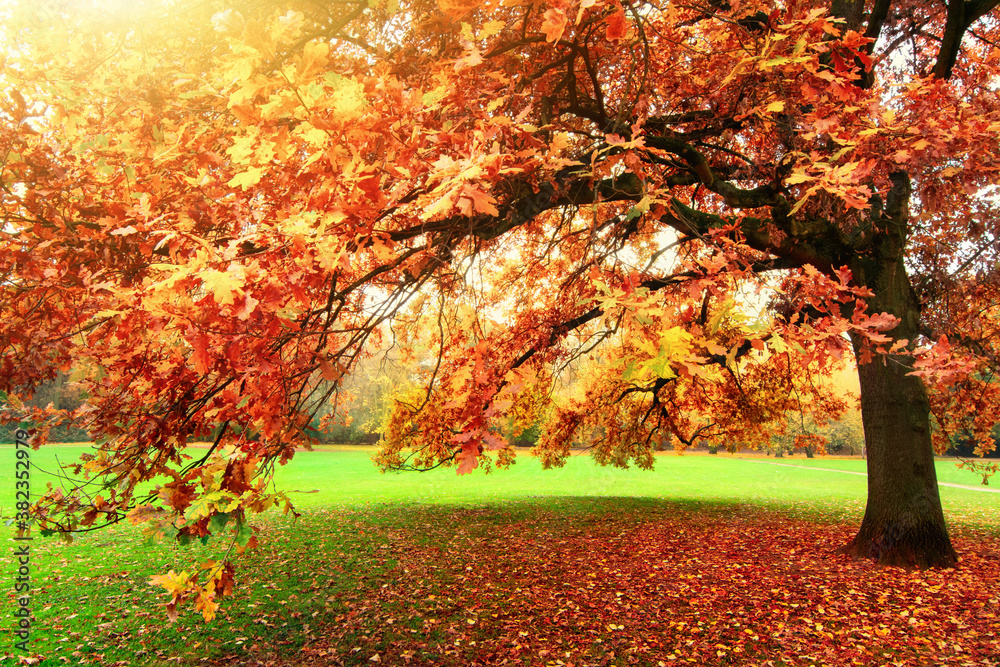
705, 560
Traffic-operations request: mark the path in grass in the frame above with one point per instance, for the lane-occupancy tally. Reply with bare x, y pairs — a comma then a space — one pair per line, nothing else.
707, 560
862, 474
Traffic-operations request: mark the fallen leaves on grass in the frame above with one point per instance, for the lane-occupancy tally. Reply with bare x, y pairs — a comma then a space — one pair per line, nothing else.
666, 587
572, 582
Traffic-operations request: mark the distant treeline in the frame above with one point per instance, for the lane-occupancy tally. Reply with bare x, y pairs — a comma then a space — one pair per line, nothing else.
58, 434
965, 449
353, 435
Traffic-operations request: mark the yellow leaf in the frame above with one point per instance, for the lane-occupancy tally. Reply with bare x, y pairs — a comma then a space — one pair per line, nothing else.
174, 583
314, 58
229, 22
735, 70
584, 5
244, 69
246, 179
383, 250
775, 107
256, 37
243, 147
441, 205
560, 142
496, 104
714, 348
223, 285
491, 28
719, 317
348, 100
674, 342
472, 58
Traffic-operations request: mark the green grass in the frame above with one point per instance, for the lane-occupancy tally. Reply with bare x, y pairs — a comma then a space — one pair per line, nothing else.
947, 468
91, 599
347, 478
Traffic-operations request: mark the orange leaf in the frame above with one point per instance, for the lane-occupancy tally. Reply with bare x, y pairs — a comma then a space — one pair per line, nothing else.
456, 9
617, 26
554, 24
482, 202
467, 461
206, 604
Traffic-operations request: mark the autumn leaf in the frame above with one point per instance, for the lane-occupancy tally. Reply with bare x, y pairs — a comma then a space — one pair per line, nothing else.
617, 25
467, 462
225, 286
247, 308
247, 179
206, 604
456, 9
482, 202
173, 582
202, 357
554, 24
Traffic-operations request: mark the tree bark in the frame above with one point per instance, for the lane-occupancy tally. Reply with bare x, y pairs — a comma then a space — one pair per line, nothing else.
904, 522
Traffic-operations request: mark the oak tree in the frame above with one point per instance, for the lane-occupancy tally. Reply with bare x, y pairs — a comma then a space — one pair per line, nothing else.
213, 211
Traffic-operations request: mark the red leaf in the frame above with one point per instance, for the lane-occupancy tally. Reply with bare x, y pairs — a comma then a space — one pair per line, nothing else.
617, 26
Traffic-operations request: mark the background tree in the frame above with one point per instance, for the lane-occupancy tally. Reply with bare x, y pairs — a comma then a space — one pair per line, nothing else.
220, 208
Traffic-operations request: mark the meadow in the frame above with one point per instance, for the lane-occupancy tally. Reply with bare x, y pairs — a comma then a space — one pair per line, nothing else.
705, 560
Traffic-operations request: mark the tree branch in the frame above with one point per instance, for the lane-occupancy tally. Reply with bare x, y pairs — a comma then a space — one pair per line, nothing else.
961, 15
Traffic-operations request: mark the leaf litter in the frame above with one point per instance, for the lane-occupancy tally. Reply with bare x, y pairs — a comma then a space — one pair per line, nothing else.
658, 586
568, 582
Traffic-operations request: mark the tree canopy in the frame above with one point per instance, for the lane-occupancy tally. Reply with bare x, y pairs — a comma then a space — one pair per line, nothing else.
213, 211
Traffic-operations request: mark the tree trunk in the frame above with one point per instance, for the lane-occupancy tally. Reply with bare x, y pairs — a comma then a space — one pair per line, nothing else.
904, 523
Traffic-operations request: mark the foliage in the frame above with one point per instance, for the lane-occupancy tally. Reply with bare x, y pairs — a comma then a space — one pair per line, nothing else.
842, 436
845, 436
59, 393
56, 433
216, 211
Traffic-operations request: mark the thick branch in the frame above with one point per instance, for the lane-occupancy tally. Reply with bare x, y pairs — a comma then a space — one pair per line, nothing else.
961, 15
876, 20
792, 250
851, 11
